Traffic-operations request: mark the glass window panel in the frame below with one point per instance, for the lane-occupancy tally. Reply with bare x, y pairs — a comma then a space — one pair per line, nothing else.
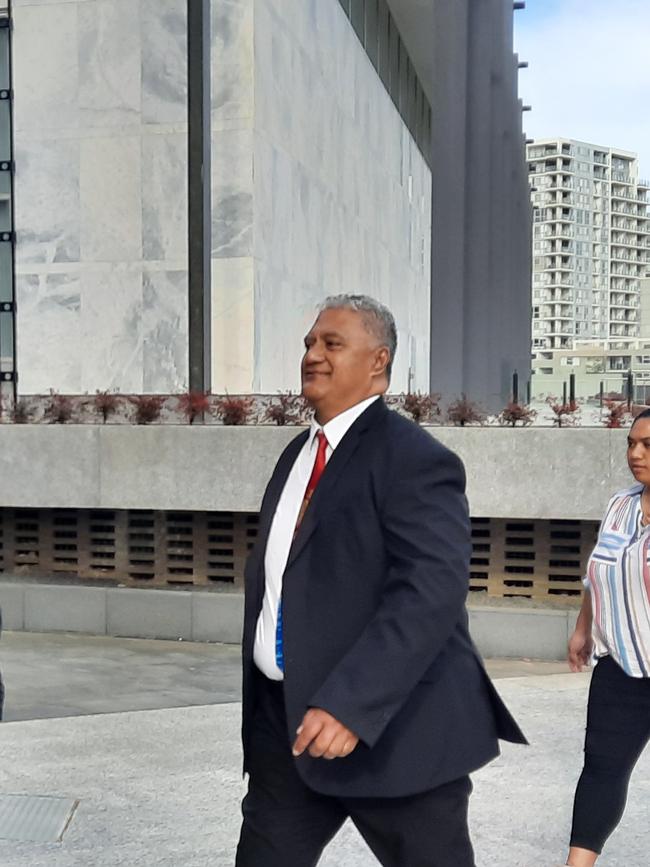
6, 338
403, 80
5, 216
412, 97
394, 62
5, 271
357, 14
5, 130
383, 43
372, 34
4, 58
5, 184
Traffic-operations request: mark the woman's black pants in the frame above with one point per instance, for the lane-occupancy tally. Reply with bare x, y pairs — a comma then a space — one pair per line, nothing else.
618, 728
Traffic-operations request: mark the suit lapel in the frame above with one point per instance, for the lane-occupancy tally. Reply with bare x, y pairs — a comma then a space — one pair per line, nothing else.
335, 466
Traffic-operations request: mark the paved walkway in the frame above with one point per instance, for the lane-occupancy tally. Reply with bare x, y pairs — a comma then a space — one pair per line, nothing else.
161, 787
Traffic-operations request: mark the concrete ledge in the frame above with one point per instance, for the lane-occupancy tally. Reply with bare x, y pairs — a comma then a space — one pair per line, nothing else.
12, 605
149, 614
521, 632
48, 608
195, 615
523, 473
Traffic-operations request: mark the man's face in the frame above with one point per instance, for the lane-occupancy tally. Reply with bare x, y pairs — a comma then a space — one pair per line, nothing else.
343, 363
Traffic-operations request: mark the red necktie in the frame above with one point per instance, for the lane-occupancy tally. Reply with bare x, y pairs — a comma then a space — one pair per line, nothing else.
316, 473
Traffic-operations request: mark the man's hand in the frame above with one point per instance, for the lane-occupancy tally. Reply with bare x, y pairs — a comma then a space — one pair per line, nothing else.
580, 648
324, 736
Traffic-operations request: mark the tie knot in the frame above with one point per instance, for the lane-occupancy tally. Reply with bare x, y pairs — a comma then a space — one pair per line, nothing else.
322, 439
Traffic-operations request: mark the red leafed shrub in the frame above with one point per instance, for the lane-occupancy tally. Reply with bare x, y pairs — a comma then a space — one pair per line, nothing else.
193, 404
286, 408
21, 412
106, 404
421, 407
59, 410
234, 410
147, 407
565, 414
516, 414
617, 413
464, 411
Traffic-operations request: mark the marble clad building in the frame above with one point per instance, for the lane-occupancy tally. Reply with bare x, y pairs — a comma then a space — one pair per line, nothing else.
323, 118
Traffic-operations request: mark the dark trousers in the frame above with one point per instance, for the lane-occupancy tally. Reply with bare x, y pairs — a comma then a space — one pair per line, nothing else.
618, 729
286, 824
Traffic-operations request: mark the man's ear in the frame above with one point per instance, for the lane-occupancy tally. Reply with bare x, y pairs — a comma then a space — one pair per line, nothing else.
382, 359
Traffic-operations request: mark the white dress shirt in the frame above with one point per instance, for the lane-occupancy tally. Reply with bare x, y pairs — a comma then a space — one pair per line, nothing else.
283, 527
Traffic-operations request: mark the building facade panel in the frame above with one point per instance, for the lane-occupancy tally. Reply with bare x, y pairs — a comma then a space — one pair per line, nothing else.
342, 192
100, 195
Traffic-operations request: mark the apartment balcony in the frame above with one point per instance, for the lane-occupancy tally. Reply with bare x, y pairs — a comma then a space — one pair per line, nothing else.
562, 230
628, 195
623, 330
619, 255
561, 185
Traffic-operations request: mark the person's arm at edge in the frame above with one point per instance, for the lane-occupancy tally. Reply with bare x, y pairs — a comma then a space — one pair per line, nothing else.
581, 643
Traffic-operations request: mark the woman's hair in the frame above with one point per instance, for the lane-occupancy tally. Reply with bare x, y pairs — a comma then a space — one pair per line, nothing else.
644, 414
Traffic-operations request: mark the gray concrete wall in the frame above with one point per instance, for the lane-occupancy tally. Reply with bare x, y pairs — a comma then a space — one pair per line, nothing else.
519, 473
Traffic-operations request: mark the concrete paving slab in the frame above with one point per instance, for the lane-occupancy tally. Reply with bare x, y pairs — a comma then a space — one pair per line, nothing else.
70, 675
163, 787
56, 675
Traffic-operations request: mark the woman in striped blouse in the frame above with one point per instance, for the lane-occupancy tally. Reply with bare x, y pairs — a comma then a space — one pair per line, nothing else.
614, 626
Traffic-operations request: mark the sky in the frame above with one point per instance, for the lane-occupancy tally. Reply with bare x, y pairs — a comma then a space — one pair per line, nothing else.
589, 72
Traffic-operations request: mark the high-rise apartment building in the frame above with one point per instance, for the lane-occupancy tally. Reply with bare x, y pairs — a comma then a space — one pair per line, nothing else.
591, 242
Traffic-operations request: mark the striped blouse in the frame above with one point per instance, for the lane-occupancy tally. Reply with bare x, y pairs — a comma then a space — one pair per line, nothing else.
618, 577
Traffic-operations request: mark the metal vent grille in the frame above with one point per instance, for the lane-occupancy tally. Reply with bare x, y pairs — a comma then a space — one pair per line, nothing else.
136, 547
511, 558
530, 559
35, 818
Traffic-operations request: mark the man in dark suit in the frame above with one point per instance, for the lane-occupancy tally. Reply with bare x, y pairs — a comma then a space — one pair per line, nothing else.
364, 696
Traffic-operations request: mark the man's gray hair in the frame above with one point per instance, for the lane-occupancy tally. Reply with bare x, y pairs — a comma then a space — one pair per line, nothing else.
377, 318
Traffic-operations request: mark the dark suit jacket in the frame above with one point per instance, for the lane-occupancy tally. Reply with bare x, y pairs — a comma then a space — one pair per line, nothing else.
374, 620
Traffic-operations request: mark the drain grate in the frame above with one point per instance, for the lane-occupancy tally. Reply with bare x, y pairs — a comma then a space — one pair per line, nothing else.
35, 818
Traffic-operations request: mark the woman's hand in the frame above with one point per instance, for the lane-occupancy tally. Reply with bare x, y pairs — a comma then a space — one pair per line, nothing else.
580, 649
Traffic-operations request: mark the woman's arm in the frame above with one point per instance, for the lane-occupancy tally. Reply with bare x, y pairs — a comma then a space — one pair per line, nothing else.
581, 643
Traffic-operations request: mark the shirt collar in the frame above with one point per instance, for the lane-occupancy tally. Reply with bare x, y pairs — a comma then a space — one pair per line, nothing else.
337, 427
